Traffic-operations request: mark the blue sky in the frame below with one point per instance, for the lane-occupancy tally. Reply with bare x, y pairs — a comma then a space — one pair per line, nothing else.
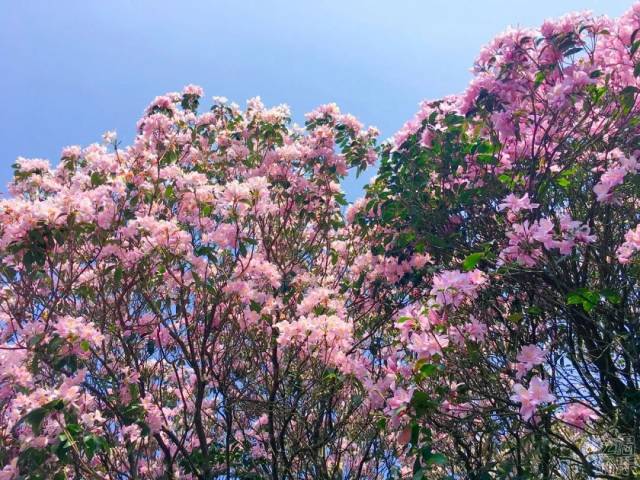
73, 69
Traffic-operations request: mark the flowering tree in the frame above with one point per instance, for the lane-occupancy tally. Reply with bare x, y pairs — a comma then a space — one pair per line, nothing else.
522, 337
199, 305
179, 308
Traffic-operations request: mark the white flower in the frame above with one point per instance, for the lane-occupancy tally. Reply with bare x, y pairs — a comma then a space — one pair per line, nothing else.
109, 137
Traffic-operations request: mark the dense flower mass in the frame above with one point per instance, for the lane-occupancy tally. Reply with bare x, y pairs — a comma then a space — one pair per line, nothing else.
179, 308
522, 332
202, 305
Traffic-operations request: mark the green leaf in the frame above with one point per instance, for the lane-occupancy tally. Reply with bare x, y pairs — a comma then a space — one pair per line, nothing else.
340, 200
515, 317
507, 180
74, 429
206, 210
584, 297
472, 260
574, 299
437, 241
487, 159
405, 238
93, 443
169, 193
611, 296
132, 413
630, 89
117, 275
534, 310
436, 459
97, 179
429, 369
35, 418
628, 98
422, 403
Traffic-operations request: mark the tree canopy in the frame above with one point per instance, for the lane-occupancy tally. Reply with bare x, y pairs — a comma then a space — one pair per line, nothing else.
205, 304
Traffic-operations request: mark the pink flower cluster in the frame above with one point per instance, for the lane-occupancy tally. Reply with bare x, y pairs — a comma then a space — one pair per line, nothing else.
526, 239
137, 283
528, 357
531, 398
614, 176
452, 287
76, 329
578, 415
630, 246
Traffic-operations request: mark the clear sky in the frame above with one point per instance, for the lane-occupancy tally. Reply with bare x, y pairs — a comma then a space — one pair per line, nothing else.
70, 70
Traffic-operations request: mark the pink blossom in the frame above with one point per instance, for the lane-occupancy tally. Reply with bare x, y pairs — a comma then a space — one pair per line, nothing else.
10, 471
420, 260
109, 137
401, 398
132, 433
425, 345
515, 204
610, 179
76, 329
530, 356
630, 245
542, 231
529, 399
30, 165
522, 247
614, 176
193, 90
153, 415
578, 415
452, 287
504, 124
476, 330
